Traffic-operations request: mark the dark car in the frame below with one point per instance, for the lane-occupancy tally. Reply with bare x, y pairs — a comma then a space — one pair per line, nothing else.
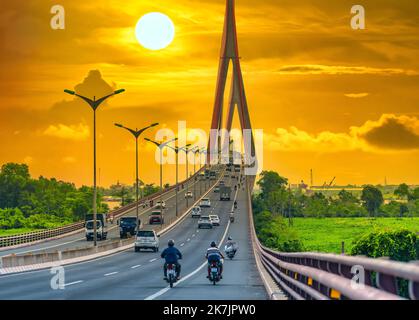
127, 225
156, 218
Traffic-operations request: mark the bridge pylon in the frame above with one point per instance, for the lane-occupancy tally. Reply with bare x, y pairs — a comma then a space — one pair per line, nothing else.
229, 52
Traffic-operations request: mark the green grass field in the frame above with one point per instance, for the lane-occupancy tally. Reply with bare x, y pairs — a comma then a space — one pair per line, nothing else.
327, 234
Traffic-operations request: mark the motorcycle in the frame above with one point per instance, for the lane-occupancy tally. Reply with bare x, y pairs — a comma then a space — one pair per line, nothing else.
231, 218
235, 205
214, 273
230, 251
171, 274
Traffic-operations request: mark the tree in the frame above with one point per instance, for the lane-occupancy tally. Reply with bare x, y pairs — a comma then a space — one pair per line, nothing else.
347, 197
403, 209
402, 191
372, 199
271, 181
13, 181
414, 195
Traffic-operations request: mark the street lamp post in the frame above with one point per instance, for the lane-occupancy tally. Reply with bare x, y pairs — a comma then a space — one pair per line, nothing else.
161, 146
136, 133
187, 150
176, 150
202, 151
196, 151
94, 104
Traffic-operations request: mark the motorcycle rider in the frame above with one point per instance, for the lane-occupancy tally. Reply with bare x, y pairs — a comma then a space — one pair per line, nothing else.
232, 244
235, 204
214, 254
171, 256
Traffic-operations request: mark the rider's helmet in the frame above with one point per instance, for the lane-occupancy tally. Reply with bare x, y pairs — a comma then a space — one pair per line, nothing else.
213, 244
171, 243
229, 238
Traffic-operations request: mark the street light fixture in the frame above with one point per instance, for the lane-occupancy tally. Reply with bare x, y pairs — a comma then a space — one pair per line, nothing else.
161, 146
94, 104
136, 133
176, 150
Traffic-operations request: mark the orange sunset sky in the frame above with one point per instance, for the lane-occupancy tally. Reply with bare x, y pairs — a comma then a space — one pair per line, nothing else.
340, 101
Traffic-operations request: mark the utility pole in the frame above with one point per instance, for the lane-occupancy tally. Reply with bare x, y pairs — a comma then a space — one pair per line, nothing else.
289, 206
311, 178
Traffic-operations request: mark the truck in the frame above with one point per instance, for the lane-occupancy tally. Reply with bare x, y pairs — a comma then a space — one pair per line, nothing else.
225, 193
101, 229
127, 225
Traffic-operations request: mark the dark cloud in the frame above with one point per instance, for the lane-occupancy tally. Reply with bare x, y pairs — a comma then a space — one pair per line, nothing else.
391, 132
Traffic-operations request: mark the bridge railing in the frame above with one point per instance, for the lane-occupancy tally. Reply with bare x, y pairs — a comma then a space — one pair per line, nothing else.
35, 236
322, 276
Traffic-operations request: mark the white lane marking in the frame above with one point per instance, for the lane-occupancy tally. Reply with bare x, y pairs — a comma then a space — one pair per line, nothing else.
152, 260
110, 274
71, 283
138, 265
164, 290
182, 244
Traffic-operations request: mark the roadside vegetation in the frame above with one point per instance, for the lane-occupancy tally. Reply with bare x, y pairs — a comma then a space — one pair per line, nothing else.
28, 204
295, 220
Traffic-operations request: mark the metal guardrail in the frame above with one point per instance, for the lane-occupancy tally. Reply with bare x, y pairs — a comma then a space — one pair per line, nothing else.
8, 241
322, 276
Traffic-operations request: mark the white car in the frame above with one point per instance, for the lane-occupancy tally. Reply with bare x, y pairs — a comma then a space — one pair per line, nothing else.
147, 239
215, 220
160, 204
196, 212
188, 194
205, 203
204, 222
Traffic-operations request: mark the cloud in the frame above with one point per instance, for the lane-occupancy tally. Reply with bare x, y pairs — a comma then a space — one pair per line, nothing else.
72, 132
299, 140
94, 85
357, 95
389, 133
315, 69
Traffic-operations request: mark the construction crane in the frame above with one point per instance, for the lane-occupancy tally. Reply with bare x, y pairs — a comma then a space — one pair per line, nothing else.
331, 182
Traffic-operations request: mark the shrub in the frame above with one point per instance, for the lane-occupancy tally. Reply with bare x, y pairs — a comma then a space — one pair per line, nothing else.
274, 233
400, 245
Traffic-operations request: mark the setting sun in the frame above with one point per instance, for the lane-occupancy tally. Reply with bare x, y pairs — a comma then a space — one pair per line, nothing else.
155, 31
